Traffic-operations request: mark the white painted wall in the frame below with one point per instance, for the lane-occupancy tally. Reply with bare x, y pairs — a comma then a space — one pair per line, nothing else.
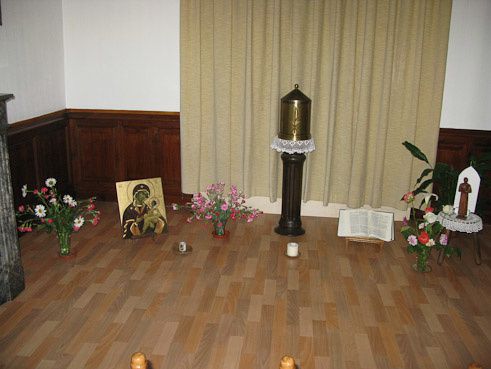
122, 54
31, 57
467, 93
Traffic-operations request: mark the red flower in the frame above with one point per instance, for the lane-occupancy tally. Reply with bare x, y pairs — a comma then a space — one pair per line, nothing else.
44, 189
35, 192
49, 220
408, 197
429, 209
91, 206
424, 237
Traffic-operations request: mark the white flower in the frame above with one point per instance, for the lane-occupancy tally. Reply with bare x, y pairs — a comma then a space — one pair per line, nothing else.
53, 200
421, 225
40, 211
448, 209
78, 222
24, 190
428, 199
430, 217
72, 203
67, 199
50, 182
431, 242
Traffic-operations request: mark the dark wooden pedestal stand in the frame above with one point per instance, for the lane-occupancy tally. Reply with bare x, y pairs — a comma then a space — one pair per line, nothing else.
290, 223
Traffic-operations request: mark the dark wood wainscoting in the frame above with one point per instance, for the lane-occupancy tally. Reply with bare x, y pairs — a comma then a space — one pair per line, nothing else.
456, 146
89, 150
113, 146
38, 149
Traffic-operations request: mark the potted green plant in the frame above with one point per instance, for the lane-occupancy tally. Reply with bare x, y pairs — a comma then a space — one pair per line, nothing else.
443, 176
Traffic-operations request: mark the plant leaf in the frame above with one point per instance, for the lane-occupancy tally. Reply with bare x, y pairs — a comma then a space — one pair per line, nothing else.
422, 187
415, 151
424, 174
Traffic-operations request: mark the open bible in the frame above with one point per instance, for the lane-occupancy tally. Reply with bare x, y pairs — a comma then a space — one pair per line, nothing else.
366, 223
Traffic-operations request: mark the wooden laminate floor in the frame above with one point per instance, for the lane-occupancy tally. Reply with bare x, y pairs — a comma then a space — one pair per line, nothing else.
241, 304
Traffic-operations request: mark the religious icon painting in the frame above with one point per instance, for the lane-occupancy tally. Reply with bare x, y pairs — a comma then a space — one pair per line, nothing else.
141, 207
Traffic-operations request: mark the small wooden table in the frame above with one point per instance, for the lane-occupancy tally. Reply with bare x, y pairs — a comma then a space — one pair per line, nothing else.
472, 224
376, 241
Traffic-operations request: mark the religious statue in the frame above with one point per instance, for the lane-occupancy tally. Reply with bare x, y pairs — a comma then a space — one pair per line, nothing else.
464, 189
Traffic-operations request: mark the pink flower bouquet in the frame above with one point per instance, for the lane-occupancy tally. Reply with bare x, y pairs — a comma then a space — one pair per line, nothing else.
218, 207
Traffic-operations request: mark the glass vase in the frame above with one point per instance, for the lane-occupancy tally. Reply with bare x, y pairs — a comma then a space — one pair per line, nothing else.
422, 262
64, 241
219, 229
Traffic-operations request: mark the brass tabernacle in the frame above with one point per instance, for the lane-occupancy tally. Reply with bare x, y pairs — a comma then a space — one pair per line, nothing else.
295, 116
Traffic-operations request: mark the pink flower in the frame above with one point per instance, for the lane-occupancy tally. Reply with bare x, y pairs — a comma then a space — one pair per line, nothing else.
405, 221
75, 228
224, 206
208, 216
44, 189
95, 221
219, 224
91, 206
408, 197
412, 240
22, 208
35, 192
444, 239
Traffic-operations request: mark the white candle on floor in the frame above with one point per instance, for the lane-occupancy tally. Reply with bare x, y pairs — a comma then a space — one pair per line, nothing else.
292, 249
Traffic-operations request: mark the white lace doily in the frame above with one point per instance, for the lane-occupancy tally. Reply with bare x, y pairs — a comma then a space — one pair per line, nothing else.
291, 147
472, 224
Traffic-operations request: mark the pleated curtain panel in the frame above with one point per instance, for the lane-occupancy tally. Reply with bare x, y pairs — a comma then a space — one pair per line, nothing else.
374, 70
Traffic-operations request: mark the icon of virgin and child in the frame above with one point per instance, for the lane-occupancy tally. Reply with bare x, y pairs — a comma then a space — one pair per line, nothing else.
145, 215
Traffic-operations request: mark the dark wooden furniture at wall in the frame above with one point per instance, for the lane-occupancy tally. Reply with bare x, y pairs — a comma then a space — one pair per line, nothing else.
455, 147
38, 149
113, 146
87, 151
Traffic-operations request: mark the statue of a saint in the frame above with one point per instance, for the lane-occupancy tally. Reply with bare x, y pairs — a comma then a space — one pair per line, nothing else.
464, 189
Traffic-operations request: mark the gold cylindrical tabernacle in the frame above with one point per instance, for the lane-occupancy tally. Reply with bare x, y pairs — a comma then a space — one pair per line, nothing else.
295, 116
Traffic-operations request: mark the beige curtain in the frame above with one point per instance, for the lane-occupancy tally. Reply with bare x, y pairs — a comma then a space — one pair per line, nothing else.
374, 70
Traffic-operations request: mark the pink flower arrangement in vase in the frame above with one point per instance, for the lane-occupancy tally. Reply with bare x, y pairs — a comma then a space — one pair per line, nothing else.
218, 207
